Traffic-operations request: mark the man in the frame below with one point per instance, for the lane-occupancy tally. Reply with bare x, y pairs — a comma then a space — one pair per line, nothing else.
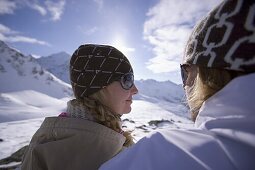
218, 75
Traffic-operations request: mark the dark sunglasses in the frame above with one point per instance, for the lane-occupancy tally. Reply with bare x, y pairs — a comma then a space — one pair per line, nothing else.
184, 73
127, 81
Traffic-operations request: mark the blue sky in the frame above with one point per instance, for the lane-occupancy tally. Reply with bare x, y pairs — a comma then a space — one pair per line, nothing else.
151, 33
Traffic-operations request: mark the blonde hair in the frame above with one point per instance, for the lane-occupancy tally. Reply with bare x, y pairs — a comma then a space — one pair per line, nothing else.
103, 115
207, 82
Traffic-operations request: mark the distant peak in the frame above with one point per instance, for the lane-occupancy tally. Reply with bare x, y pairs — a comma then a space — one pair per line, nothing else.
3, 44
61, 53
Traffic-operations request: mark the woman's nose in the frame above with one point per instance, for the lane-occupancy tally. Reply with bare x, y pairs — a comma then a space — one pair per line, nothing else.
134, 90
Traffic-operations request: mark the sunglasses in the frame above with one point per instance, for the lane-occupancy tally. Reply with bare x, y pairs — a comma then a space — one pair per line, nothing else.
184, 73
127, 81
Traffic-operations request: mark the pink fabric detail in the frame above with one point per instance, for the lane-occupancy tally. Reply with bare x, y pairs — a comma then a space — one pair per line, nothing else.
64, 114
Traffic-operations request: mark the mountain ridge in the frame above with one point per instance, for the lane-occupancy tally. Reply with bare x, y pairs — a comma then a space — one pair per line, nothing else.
19, 72
57, 64
54, 69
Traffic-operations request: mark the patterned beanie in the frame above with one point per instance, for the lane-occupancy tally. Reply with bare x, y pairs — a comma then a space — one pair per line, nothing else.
93, 67
225, 38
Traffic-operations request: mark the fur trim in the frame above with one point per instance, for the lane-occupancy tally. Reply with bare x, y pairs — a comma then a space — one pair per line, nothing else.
78, 110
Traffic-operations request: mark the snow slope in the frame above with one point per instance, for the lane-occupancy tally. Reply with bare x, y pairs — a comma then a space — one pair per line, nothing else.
144, 118
28, 104
19, 72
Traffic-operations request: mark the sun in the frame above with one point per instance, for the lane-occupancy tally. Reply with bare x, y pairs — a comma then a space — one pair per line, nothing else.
119, 43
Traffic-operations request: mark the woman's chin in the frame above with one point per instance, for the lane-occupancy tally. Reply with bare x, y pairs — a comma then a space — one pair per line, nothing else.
127, 111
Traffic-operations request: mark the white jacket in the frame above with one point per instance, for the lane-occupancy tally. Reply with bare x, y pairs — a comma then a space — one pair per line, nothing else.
224, 137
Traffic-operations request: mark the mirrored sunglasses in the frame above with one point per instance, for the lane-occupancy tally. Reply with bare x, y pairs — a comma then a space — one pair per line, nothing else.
127, 81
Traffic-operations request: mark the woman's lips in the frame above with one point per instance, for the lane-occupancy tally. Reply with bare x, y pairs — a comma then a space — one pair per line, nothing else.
129, 101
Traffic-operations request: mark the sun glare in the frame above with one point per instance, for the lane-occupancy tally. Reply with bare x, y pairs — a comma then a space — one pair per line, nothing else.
121, 45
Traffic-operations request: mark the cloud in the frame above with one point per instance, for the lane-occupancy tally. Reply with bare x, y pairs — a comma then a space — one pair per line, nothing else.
8, 35
7, 7
167, 29
55, 8
86, 31
18, 38
39, 8
6, 30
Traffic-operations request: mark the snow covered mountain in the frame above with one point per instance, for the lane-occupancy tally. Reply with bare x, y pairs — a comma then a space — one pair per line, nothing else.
151, 89
27, 90
57, 64
19, 72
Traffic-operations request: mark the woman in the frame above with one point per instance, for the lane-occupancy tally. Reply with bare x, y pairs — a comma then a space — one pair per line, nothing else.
218, 72
89, 132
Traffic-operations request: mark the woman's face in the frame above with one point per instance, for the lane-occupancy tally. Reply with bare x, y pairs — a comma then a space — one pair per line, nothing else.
190, 73
118, 99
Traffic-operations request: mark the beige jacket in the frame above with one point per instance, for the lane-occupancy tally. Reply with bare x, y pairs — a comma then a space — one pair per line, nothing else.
71, 144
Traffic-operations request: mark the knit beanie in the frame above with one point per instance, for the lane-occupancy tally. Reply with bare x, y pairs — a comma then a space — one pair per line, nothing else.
93, 67
225, 38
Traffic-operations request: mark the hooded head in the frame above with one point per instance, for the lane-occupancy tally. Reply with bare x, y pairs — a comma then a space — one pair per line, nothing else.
225, 38
93, 67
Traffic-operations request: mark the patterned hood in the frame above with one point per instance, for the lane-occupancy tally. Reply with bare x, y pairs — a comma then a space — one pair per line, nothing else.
225, 38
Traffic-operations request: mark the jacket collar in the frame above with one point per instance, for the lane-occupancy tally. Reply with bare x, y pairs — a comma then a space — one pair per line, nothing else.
233, 103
